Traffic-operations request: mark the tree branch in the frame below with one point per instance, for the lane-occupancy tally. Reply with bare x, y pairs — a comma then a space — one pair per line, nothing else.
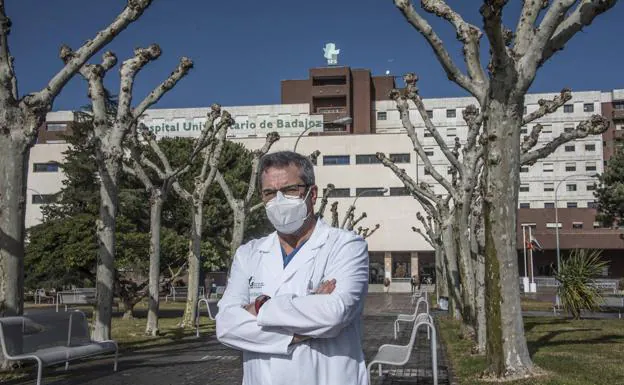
271, 138
425, 29
409, 183
8, 83
314, 156
229, 196
583, 15
467, 33
129, 69
403, 108
531, 140
358, 220
183, 68
548, 106
321, 211
368, 233
492, 11
525, 29
598, 124
334, 213
131, 12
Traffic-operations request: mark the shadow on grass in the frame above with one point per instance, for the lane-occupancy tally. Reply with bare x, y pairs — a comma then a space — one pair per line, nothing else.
546, 341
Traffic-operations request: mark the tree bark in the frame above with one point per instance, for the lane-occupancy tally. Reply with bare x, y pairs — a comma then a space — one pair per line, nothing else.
156, 205
238, 229
453, 279
441, 275
13, 173
462, 236
194, 261
109, 173
507, 351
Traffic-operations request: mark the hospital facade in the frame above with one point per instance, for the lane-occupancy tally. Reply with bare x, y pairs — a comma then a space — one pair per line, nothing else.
345, 114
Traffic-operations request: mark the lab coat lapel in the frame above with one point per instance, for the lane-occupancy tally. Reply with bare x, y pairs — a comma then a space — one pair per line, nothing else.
270, 262
307, 252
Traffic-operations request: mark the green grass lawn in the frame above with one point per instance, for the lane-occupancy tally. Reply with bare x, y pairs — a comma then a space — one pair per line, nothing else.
570, 352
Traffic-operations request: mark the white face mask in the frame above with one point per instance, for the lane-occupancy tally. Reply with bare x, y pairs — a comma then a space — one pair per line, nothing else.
287, 214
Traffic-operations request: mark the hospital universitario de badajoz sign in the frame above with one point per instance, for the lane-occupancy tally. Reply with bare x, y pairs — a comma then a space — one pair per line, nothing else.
243, 127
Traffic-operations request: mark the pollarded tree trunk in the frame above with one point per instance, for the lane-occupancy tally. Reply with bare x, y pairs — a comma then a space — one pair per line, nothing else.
462, 234
441, 275
156, 205
450, 261
238, 229
13, 172
109, 174
507, 353
194, 266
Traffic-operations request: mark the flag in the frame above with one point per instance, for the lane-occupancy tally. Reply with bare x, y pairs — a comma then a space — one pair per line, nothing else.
535, 243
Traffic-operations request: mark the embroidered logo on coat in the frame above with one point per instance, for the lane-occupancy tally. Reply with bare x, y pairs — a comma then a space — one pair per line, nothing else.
255, 285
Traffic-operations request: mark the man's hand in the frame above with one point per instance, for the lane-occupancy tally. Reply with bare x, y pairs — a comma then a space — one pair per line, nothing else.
326, 287
251, 308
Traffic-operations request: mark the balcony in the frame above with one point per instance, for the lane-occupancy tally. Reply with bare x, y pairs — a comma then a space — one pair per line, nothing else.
618, 114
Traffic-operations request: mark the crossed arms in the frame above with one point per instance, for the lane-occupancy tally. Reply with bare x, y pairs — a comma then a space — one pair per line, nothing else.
286, 319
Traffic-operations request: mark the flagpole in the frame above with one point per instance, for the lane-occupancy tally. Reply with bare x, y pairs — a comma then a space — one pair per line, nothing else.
524, 249
531, 256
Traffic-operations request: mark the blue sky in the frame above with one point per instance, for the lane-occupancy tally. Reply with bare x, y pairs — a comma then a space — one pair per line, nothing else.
242, 49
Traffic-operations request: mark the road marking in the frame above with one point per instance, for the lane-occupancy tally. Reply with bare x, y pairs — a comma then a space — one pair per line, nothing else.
212, 357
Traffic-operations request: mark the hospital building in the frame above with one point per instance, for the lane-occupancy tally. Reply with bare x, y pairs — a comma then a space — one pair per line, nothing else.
345, 113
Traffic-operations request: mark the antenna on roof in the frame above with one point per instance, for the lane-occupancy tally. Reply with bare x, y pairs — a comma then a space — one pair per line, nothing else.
331, 53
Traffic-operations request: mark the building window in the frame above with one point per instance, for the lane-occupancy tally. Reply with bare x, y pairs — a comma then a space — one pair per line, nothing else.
428, 134
398, 191
549, 186
569, 148
571, 205
427, 172
429, 151
619, 105
329, 81
524, 111
571, 187
552, 225
590, 147
577, 225
524, 188
548, 167
568, 108
590, 166
41, 199
331, 160
451, 113
46, 167
430, 114
546, 128
549, 205
330, 110
524, 130
592, 205
524, 169
338, 192
382, 115
588, 107
596, 225
366, 159
591, 187
525, 205
400, 158
568, 128
369, 191
451, 131
56, 127
570, 167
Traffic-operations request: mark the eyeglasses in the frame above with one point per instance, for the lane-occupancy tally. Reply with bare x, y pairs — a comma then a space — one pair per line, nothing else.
290, 191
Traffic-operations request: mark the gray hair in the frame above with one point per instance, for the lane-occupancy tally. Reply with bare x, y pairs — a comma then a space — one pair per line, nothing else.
283, 159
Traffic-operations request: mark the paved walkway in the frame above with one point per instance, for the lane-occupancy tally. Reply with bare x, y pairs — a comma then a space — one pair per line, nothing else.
205, 361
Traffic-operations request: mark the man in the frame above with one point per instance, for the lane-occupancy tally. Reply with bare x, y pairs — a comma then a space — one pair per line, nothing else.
294, 299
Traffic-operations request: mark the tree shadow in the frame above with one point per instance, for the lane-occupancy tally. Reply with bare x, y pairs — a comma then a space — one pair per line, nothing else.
547, 339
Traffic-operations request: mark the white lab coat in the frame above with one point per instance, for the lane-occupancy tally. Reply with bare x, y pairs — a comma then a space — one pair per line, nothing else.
334, 354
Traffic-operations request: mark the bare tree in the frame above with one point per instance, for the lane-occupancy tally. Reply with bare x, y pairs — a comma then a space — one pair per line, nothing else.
202, 181
20, 120
349, 221
241, 207
108, 136
514, 60
158, 181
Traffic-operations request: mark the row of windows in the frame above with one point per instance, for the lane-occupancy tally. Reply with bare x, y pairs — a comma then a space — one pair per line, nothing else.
333, 160
574, 225
40, 199
452, 112
370, 192
551, 205
569, 166
548, 129
550, 186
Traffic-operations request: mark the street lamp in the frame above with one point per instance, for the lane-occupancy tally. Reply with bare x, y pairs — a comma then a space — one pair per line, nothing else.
364, 192
557, 218
341, 121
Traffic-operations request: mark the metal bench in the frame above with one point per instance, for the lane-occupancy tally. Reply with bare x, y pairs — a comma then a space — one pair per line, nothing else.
211, 309
51, 338
398, 355
412, 317
41, 295
181, 292
80, 296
